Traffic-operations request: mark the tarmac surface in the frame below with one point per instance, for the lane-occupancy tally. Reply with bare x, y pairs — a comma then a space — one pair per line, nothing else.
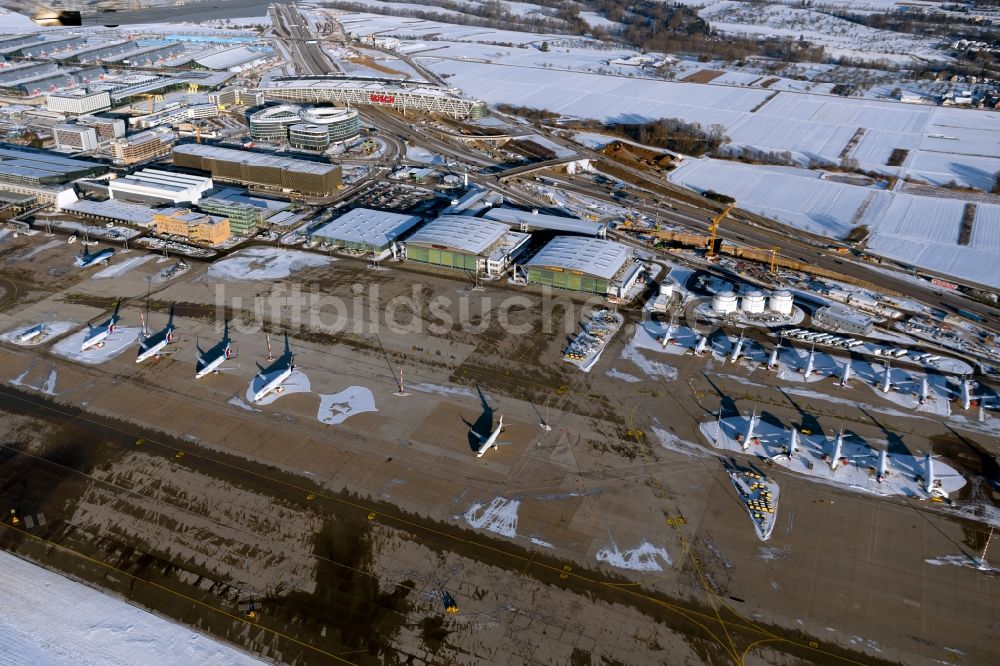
615, 535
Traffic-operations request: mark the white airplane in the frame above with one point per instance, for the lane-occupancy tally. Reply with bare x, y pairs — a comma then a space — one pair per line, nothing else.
86, 260
153, 345
97, 334
883, 466
285, 365
211, 360
31, 333
485, 442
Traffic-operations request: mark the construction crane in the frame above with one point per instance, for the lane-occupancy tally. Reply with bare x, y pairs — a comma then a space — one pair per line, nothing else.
774, 258
713, 228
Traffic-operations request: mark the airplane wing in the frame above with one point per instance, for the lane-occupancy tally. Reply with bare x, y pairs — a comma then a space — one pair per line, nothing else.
481, 438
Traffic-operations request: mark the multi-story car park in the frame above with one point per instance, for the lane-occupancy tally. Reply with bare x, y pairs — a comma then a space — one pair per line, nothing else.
374, 92
466, 243
261, 169
583, 264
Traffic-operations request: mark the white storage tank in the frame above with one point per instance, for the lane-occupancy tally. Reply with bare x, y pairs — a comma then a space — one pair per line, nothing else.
753, 302
724, 302
781, 303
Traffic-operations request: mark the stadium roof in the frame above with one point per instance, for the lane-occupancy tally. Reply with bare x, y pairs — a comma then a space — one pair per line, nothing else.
113, 209
590, 256
540, 221
372, 227
255, 159
473, 235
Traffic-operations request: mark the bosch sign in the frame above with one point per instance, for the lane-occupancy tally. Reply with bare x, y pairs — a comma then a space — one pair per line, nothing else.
382, 99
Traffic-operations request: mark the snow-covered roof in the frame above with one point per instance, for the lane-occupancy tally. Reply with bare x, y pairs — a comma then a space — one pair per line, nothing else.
232, 57
372, 227
590, 256
112, 209
472, 235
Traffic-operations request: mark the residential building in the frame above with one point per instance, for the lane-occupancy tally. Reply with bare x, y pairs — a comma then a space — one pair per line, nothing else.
143, 146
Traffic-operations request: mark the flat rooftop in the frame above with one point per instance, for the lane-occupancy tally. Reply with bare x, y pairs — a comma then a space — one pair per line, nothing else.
590, 256
255, 159
165, 180
114, 209
45, 165
364, 225
472, 235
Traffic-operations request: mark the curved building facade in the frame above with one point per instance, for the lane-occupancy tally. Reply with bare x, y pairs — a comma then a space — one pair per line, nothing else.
271, 124
341, 124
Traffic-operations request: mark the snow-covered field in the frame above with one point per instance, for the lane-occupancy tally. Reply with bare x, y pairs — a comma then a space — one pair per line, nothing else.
838, 36
919, 230
121, 268
49, 620
264, 263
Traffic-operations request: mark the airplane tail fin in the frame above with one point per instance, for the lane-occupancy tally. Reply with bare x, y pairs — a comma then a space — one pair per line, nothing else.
170, 317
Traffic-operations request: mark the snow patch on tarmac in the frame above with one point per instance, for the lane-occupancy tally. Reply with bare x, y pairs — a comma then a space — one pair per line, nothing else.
114, 345
121, 268
264, 263
500, 516
643, 558
337, 408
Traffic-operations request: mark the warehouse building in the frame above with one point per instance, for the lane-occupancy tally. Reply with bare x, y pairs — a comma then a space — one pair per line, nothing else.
195, 226
24, 166
842, 319
367, 231
261, 169
466, 243
157, 186
583, 264
357, 91
113, 211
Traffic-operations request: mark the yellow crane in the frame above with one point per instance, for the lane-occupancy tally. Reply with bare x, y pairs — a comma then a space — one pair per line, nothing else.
713, 228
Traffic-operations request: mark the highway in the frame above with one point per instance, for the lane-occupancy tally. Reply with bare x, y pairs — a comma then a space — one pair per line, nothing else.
649, 194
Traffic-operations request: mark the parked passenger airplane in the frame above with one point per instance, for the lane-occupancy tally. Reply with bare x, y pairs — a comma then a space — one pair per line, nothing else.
154, 344
211, 360
86, 259
490, 440
98, 334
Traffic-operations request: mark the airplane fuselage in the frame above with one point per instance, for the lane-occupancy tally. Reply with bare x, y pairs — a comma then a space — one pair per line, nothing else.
153, 345
31, 333
104, 256
490, 441
213, 365
96, 338
273, 385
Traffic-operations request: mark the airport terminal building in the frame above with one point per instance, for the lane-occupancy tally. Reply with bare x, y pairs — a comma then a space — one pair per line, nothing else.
263, 170
589, 265
466, 243
367, 231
